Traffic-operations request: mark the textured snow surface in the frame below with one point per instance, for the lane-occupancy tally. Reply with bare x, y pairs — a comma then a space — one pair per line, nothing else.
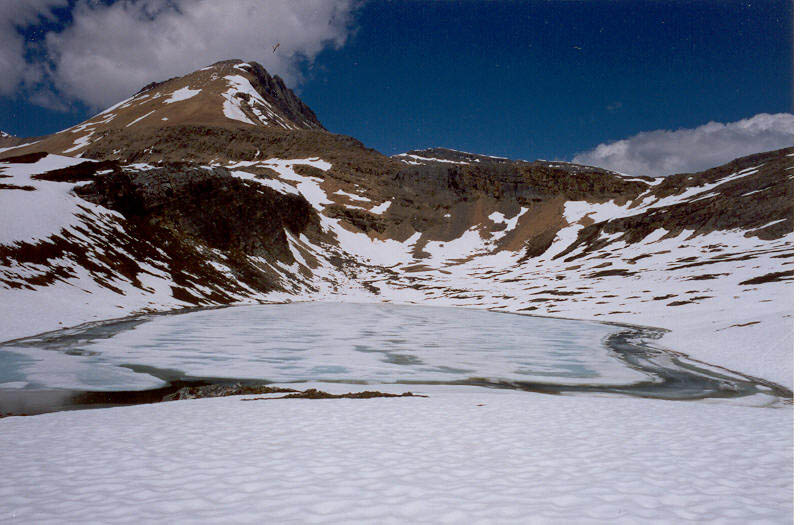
462, 455
231, 107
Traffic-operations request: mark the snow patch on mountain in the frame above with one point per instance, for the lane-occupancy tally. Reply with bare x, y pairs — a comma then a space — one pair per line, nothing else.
352, 196
140, 118
405, 156
240, 95
380, 208
232, 107
178, 95
45, 209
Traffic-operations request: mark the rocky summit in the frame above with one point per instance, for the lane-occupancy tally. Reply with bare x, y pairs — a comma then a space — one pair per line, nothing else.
222, 187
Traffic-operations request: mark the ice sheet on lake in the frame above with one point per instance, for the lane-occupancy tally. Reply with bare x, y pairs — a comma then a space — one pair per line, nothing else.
351, 342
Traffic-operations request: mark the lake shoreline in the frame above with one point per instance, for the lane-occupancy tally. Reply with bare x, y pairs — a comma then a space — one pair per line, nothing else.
631, 343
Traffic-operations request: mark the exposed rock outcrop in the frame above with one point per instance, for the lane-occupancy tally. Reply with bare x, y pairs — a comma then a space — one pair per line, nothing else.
207, 205
273, 89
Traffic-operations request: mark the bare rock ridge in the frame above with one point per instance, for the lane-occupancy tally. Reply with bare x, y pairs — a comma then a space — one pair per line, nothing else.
273, 89
8, 141
430, 155
222, 186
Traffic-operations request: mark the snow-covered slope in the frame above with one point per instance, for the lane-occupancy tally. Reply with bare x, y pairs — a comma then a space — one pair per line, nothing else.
272, 207
726, 294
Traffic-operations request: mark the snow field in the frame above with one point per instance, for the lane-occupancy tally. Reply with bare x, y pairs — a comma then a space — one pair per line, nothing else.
32, 215
461, 455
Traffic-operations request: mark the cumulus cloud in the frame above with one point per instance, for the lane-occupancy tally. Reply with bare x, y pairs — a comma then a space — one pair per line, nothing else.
108, 52
14, 16
663, 152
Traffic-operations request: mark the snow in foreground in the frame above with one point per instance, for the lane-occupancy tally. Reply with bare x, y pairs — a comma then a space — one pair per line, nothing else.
462, 455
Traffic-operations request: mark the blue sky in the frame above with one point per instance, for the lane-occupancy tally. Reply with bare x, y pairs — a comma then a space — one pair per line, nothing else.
507, 79
534, 79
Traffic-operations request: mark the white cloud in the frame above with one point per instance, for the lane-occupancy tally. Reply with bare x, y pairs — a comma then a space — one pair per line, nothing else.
664, 152
14, 15
109, 52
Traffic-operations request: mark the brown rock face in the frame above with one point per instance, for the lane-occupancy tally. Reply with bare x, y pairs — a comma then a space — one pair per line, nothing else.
203, 144
529, 181
208, 205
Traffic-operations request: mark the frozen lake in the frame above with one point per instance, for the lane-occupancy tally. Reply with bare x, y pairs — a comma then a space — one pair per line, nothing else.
357, 343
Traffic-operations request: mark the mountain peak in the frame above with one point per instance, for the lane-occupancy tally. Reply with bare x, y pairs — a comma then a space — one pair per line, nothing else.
273, 89
225, 93
230, 94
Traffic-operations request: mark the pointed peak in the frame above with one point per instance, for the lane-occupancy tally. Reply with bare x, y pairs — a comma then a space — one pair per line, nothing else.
226, 94
245, 92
